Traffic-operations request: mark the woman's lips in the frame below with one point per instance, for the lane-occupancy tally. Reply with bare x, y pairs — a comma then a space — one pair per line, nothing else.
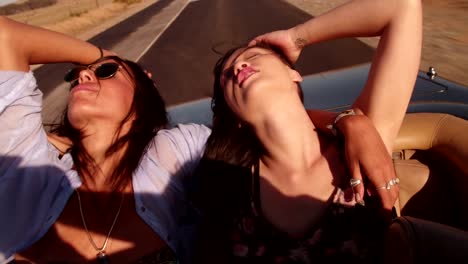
244, 74
83, 87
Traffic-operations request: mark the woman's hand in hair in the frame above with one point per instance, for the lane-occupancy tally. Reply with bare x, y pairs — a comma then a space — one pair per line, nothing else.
286, 40
22, 45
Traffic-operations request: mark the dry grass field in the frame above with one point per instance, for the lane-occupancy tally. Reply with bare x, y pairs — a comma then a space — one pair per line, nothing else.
81, 18
59, 12
445, 43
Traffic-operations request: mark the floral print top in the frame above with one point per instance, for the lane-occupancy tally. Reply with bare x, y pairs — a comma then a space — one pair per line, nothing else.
348, 233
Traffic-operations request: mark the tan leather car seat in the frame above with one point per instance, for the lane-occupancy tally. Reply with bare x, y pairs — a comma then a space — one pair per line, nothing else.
431, 160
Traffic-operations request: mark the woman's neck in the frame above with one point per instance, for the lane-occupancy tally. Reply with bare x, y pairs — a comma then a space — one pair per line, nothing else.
289, 138
97, 142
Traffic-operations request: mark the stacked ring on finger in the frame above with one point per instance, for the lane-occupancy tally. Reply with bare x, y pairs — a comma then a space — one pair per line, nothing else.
354, 182
389, 184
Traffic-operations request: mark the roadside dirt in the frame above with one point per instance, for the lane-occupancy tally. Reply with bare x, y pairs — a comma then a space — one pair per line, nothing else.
445, 36
81, 18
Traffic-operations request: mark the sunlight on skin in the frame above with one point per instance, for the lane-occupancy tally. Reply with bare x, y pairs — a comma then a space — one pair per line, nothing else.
115, 246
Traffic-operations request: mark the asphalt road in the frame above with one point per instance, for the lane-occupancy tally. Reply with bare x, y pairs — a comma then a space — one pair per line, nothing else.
182, 58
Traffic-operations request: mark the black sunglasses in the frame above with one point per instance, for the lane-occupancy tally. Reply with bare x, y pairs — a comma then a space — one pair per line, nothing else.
103, 71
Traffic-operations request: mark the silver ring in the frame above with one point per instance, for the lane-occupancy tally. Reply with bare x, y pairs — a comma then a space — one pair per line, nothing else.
389, 184
394, 181
354, 182
385, 187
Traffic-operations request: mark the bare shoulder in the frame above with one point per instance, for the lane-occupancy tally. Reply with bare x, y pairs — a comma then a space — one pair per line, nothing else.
62, 144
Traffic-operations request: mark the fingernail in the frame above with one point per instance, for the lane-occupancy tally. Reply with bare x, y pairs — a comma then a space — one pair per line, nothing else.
358, 199
361, 202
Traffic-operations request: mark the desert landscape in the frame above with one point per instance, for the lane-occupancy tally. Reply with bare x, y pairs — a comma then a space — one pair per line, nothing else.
445, 39
445, 44
81, 18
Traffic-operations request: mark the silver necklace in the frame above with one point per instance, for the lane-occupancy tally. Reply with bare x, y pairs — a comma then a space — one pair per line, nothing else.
101, 256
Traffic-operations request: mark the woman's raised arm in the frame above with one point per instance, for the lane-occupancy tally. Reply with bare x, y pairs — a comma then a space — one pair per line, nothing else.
386, 94
22, 45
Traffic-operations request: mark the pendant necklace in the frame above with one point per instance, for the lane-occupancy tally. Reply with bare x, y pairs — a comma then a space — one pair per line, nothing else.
101, 256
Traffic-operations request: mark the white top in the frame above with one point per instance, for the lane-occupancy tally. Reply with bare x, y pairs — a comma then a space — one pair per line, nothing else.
35, 185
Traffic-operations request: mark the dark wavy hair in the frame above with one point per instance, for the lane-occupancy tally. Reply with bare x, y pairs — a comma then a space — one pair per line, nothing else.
232, 141
149, 113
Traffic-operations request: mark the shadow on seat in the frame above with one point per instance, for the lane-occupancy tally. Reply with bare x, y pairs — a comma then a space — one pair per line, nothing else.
431, 160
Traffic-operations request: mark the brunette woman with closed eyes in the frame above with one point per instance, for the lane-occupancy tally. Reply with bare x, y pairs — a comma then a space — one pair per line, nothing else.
284, 195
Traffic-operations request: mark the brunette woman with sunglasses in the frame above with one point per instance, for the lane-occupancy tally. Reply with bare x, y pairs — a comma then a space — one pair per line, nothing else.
109, 184
106, 184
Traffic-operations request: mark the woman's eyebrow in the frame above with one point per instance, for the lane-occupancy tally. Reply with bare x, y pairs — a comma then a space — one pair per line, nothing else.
240, 53
227, 66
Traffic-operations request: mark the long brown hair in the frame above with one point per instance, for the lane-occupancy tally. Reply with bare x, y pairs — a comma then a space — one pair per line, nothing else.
149, 112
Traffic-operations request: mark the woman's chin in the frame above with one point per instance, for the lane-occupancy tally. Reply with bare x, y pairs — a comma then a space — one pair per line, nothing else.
78, 117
